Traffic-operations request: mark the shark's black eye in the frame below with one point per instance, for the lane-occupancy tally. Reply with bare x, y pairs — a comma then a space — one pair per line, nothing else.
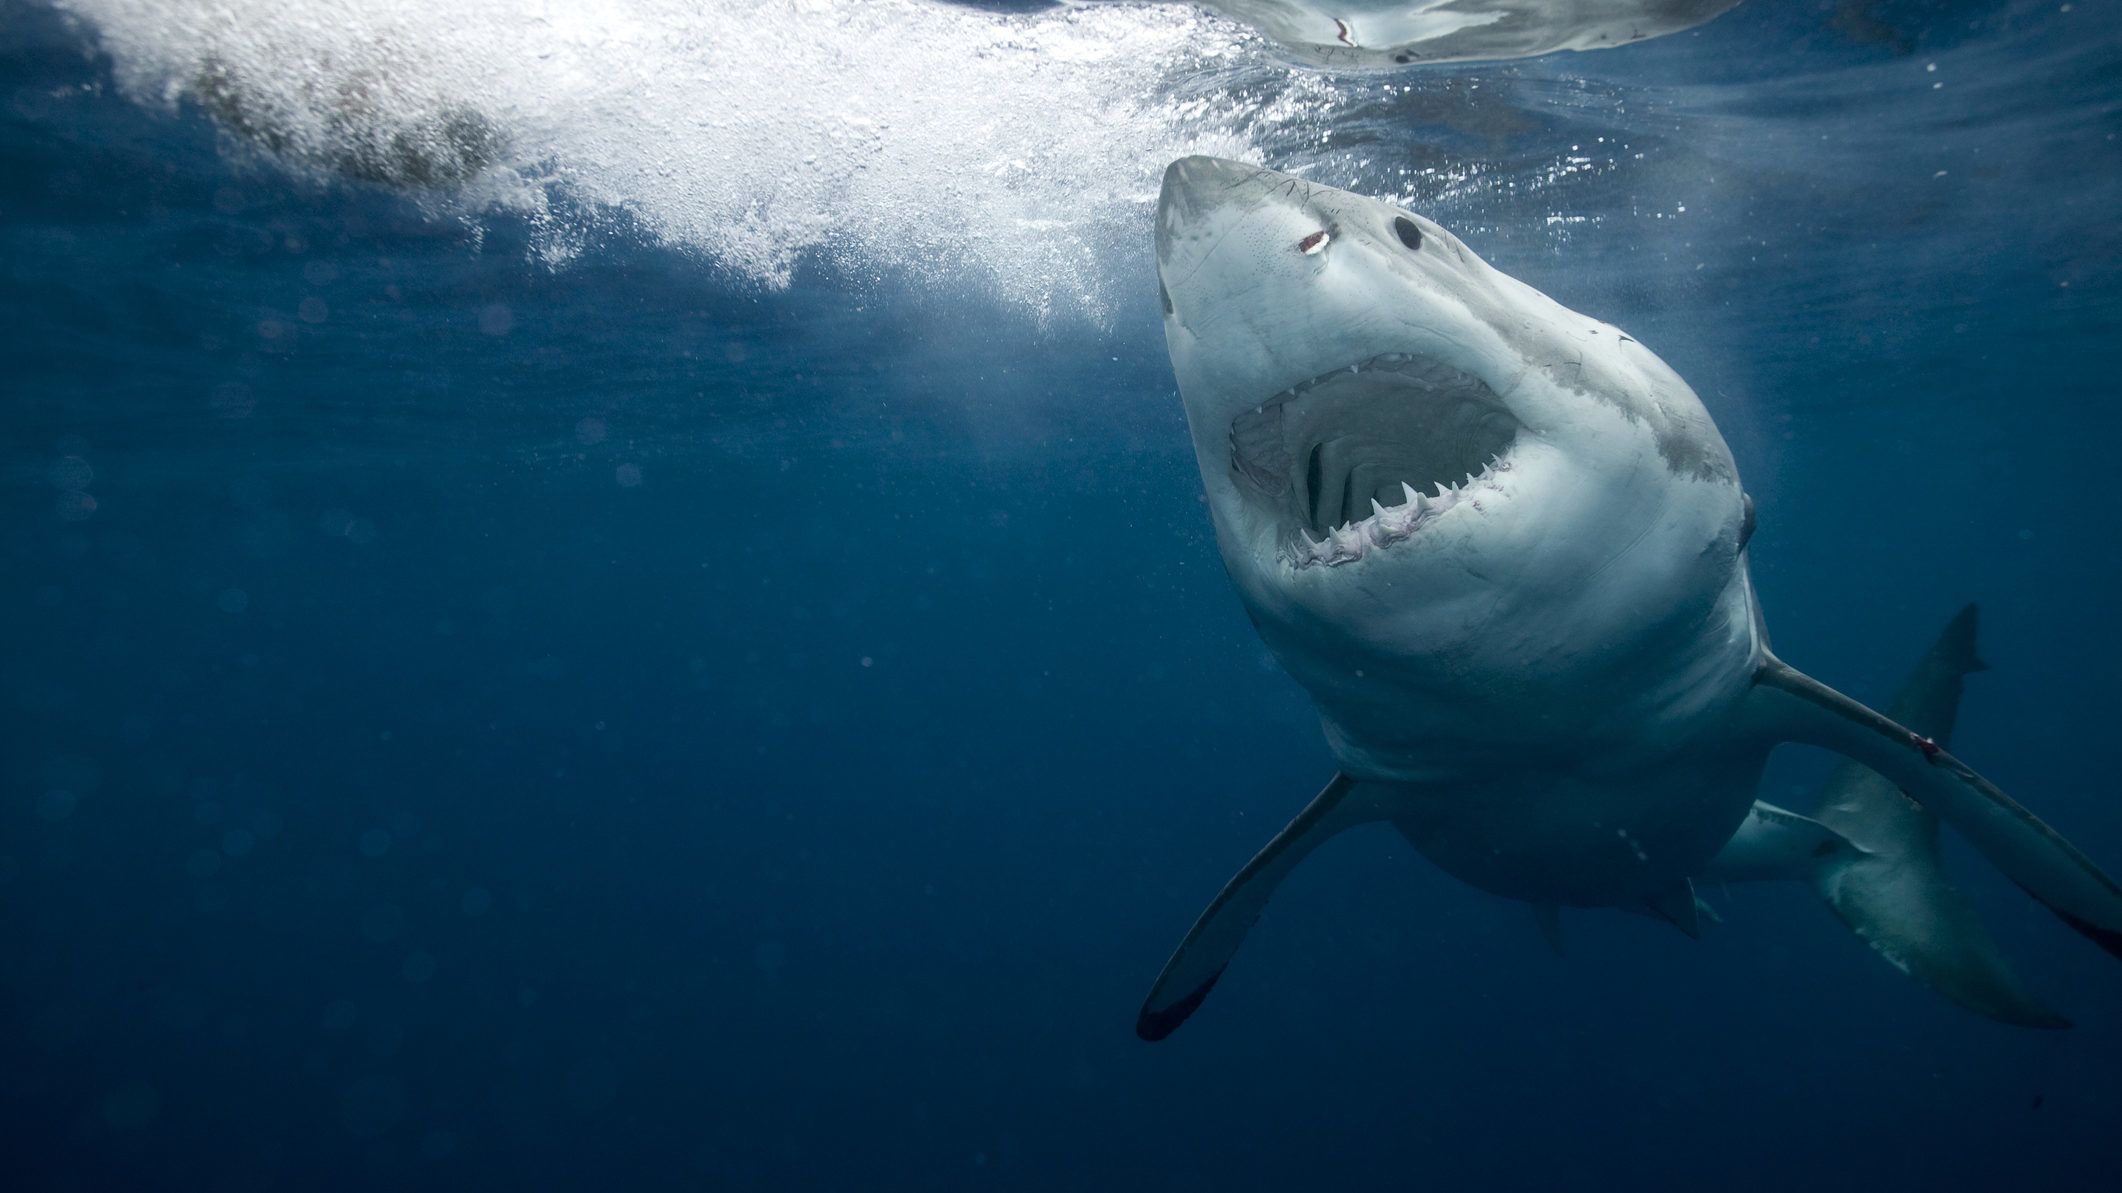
1405, 229
1164, 296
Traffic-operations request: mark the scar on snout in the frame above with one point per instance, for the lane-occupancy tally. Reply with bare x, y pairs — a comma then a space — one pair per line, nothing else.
1313, 243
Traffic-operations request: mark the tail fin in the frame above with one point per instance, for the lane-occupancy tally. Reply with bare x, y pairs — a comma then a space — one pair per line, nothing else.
1871, 811
1893, 892
1872, 853
1909, 913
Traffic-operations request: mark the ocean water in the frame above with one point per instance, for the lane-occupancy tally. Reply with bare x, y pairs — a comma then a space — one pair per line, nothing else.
615, 596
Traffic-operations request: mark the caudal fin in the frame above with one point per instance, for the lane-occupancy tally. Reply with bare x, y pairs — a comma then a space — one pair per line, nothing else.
1894, 893
1872, 852
1908, 912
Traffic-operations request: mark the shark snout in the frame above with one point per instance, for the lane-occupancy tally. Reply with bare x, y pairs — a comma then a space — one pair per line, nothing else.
1196, 177
1202, 201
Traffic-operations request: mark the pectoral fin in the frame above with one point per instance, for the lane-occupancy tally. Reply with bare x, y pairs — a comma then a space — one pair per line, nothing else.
1215, 937
1795, 707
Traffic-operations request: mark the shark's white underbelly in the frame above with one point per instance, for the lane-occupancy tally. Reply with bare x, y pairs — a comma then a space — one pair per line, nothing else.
1594, 786
1583, 839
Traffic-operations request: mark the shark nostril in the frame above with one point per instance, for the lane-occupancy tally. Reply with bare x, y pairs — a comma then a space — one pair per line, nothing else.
1164, 296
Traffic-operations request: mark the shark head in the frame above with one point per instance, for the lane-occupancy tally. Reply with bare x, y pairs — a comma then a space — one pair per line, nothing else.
1422, 471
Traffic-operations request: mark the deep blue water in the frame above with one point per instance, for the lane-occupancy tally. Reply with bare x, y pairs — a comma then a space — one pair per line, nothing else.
480, 716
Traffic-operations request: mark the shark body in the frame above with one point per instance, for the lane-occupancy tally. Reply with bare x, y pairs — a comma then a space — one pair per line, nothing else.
1503, 547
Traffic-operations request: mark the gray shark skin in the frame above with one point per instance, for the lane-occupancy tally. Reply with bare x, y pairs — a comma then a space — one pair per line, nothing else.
1384, 34
1503, 547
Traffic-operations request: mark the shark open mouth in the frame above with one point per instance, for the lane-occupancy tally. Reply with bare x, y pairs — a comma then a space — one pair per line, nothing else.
1368, 455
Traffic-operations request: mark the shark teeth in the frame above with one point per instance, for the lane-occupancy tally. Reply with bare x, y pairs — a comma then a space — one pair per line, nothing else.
1265, 457
1388, 525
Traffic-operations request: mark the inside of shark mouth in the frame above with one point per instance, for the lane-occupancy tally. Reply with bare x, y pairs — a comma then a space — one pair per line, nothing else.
1367, 455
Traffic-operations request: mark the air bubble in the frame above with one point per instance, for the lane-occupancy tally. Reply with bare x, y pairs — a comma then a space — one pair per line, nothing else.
372, 1105
131, 1105
70, 472
947, 142
382, 923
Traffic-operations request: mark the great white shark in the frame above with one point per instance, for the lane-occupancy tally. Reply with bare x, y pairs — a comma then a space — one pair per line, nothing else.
1503, 547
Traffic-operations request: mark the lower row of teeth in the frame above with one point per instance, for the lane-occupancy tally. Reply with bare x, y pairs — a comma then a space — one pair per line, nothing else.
1387, 525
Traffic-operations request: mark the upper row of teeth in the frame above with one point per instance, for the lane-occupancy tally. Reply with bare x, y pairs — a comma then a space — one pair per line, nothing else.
1387, 358
1387, 525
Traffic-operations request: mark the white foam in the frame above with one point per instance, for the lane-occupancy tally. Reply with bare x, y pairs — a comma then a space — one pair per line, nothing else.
926, 140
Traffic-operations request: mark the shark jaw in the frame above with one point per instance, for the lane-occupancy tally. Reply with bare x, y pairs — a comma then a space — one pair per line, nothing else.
1363, 458
1362, 401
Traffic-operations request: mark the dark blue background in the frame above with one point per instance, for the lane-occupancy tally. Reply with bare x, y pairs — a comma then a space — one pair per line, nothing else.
504, 727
